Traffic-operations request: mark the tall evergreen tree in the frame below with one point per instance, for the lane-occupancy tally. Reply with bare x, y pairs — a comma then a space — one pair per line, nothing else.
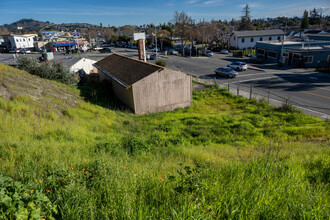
305, 22
246, 19
315, 17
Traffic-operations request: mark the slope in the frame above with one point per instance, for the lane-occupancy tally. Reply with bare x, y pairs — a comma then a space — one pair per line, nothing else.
224, 157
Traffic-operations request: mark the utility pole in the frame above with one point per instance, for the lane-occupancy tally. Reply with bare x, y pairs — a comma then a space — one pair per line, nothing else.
156, 41
283, 44
203, 36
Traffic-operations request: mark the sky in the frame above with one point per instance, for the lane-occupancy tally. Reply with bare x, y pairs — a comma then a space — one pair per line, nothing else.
138, 12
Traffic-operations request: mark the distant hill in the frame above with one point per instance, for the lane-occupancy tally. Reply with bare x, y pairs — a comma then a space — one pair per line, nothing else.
31, 25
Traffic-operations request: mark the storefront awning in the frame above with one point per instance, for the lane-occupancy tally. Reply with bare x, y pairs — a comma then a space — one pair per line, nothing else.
64, 43
82, 43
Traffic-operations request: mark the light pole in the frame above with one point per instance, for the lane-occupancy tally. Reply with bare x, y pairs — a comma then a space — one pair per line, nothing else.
156, 40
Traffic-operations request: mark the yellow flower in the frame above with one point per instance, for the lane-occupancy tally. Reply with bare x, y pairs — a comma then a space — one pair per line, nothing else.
31, 191
83, 170
72, 168
47, 190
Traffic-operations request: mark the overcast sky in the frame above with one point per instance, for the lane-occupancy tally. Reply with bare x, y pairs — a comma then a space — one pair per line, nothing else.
137, 12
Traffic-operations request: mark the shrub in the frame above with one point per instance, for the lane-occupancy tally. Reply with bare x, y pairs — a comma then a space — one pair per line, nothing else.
19, 202
48, 70
161, 62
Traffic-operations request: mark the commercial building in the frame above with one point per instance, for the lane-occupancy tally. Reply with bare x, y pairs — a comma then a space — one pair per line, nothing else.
14, 41
307, 53
145, 87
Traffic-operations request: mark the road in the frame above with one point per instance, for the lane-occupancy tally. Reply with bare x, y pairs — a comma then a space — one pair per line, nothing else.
303, 88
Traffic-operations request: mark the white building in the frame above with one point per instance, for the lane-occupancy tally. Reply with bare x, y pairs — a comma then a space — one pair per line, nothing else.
22, 41
248, 39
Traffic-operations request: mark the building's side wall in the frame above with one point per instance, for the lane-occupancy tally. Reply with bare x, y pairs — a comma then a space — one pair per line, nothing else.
21, 42
321, 56
249, 44
123, 94
233, 41
162, 91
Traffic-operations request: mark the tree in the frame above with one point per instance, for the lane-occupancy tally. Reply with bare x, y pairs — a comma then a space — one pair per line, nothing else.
162, 35
107, 34
315, 17
182, 26
246, 19
304, 23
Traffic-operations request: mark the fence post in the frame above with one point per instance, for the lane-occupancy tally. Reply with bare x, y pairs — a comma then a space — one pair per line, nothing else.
237, 86
251, 91
268, 95
215, 82
228, 84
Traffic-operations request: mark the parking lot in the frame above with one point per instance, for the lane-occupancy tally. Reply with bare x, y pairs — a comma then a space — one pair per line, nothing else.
304, 88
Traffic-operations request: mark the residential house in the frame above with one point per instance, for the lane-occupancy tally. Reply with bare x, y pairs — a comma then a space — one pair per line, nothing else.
145, 87
247, 39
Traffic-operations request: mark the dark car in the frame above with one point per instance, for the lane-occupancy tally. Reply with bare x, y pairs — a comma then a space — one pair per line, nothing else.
106, 50
257, 59
238, 54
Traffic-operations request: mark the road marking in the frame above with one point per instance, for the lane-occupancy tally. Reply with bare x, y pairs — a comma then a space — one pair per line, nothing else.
317, 95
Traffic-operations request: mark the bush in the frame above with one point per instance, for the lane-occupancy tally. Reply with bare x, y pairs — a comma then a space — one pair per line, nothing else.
48, 70
161, 62
19, 202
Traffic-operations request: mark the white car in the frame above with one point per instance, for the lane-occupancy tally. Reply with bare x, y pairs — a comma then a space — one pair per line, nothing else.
239, 66
224, 51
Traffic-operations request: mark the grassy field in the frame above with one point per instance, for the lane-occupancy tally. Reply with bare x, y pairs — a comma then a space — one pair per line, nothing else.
226, 157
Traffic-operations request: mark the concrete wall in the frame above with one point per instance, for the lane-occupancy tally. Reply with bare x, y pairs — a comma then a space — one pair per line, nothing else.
162, 91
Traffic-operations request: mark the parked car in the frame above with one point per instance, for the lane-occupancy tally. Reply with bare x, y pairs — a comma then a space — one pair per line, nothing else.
153, 56
257, 59
208, 53
106, 50
226, 71
238, 54
14, 51
172, 52
238, 66
24, 51
156, 49
224, 51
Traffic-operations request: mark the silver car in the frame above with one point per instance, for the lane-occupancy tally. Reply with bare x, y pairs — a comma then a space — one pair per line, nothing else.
239, 66
226, 71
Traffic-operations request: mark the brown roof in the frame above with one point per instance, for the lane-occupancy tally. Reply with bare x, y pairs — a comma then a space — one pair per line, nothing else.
125, 70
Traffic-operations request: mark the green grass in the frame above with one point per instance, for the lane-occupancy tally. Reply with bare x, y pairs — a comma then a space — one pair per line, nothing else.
225, 157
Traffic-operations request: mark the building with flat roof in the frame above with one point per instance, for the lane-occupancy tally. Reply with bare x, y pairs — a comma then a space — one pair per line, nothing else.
307, 53
14, 41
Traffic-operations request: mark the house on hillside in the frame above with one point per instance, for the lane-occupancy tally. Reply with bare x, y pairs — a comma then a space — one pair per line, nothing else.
145, 87
248, 39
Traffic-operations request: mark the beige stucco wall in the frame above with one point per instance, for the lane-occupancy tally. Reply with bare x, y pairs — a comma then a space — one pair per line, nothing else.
123, 94
162, 91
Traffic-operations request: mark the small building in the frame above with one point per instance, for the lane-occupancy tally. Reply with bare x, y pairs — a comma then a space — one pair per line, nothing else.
145, 87
247, 39
14, 41
307, 53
